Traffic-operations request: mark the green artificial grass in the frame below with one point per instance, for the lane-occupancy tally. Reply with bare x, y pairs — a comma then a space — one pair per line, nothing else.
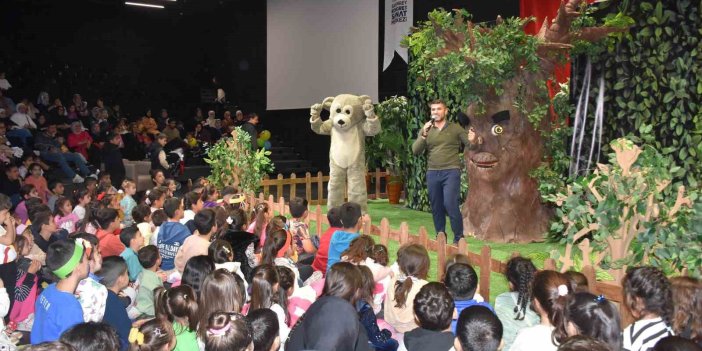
396, 214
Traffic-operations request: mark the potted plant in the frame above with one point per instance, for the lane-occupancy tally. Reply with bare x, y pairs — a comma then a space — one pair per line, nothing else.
389, 148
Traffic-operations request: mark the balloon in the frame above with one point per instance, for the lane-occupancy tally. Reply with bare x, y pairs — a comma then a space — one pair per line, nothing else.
260, 142
265, 135
267, 145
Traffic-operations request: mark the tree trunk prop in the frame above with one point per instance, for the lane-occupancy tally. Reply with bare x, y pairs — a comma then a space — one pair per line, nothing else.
503, 202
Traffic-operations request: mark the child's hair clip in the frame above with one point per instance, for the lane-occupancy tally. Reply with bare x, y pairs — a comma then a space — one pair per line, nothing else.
230, 220
600, 298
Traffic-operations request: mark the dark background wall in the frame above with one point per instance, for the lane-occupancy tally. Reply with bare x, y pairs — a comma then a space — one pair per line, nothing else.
162, 58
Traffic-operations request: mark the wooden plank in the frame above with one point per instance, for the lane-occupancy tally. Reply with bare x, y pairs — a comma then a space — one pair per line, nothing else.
281, 206
440, 257
589, 273
320, 189
293, 186
384, 231
279, 186
318, 217
404, 233
266, 189
550, 264
485, 270
423, 237
308, 187
463, 250
366, 224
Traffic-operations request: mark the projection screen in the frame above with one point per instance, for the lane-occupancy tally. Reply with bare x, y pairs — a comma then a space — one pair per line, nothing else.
320, 48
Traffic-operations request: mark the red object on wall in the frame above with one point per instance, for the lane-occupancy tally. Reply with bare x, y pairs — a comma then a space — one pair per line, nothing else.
540, 10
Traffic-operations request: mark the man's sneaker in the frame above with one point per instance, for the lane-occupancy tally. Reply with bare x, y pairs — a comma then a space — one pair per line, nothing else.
94, 176
78, 179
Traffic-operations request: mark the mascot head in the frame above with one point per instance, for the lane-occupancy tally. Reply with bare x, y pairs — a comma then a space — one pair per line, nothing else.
345, 110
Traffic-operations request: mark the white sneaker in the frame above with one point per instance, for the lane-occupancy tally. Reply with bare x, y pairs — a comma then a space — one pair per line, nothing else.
94, 176
78, 179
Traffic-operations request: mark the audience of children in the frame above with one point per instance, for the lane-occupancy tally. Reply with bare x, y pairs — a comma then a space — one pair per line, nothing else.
364, 304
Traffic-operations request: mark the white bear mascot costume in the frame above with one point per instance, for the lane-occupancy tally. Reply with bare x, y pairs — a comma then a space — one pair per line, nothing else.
351, 119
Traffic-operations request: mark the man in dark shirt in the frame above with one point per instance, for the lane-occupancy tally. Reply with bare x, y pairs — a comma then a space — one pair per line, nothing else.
250, 127
442, 140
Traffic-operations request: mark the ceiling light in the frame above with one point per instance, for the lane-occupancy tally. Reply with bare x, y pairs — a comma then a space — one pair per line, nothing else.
143, 5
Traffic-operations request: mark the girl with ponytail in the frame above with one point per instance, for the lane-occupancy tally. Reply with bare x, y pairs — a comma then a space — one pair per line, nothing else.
154, 335
263, 215
550, 296
179, 307
513, 307
411, 275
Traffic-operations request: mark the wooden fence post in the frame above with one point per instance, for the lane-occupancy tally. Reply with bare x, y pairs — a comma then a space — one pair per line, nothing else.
384, 231
281, 206
261, 197
440, 256
423, 237
320, 221
589, 273
271, 203
279, 185
485, 270
404, 233
293, 185
308, 187
463, 249
550, 264
366, 224
320, 187
266, 188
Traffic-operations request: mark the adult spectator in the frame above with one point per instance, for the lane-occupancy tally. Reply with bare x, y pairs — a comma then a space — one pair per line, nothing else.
171, 131
157, 155
50, 150
20, 125
239, 118
81, 106
79, 140
162, 119
148, 125
112, 157
250, 127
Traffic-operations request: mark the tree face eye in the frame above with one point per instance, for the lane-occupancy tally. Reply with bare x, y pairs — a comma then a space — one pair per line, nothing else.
497, 130
338, 110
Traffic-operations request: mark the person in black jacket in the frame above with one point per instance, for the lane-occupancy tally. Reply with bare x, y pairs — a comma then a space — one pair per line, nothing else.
157, 155
112, 157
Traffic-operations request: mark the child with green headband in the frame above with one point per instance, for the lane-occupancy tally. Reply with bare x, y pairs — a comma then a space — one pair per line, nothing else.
57, 309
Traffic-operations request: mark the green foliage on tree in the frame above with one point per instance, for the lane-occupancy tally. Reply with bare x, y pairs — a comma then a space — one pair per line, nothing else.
652, 80
234, 164
621, 216
488, 57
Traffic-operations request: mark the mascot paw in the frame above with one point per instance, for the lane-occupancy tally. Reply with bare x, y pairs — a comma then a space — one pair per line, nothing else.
368, 108
315, 110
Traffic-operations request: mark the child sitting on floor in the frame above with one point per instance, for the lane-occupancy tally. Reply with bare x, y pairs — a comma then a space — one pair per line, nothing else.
433, 307
56, 308
462, 282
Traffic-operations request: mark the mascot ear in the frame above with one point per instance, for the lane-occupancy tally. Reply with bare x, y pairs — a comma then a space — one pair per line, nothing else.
363, 98
326, 104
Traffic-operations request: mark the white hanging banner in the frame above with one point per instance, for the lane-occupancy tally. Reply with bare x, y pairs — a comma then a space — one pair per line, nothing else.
398, 20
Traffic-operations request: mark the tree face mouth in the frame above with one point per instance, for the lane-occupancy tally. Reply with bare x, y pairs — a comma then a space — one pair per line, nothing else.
484, 161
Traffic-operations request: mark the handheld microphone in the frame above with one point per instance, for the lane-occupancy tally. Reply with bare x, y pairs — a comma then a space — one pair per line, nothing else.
433, 119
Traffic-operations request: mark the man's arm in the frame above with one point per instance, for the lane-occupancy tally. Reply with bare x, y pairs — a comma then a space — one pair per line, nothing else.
467, 137
419, 144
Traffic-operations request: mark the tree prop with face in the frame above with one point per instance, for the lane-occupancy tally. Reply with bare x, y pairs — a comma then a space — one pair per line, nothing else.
498, 76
